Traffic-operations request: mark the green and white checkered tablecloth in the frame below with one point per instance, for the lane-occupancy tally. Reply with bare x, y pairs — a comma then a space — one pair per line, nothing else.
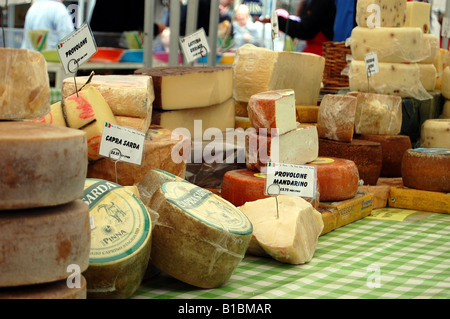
367, 259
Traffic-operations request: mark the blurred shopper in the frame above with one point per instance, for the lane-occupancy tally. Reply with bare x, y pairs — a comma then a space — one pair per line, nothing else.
244, 29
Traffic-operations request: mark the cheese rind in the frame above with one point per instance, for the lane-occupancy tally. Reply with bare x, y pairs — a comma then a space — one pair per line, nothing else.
25, 86
243, 185
391, 13
307, 114
38, 245
44, 165
286, 229
435, 133
415, 199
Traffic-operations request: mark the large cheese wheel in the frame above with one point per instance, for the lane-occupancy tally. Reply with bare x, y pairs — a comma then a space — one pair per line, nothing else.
338, 178
367, 156
120, 240
199, 238
435, 133
427, 169
243, 185
24, 87
51, 290
41, 164
38, 245
393, 148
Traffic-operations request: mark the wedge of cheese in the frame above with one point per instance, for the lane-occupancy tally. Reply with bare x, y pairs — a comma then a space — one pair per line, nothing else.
288, 234
189, 86
25, 86
257, 70
381, 13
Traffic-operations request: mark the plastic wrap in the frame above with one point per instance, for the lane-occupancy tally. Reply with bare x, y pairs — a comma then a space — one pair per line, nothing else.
24, 85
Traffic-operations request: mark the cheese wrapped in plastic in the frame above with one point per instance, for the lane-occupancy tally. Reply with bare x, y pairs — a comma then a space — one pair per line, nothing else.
381, 13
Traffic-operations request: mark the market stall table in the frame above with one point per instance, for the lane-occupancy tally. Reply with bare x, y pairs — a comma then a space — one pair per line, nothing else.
393, 255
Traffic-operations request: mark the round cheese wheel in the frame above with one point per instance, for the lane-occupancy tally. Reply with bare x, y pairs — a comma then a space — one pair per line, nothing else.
337, 178
52, 290
435, 133
393, 148
41, 164
243, 185
200, 238
367, 155
38, 245
120, 240
427, 169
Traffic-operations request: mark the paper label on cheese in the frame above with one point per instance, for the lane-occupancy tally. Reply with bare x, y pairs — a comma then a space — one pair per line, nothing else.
207, 207
122, 223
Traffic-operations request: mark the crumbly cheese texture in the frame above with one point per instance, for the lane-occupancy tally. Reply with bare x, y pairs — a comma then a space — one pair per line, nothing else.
41, 165
404, 80
39, 244
336, 118
378, 114
24, 84
186, 87
391, 13
273, 110
435, 133
127, 95
418, 15
257, 70
289, 234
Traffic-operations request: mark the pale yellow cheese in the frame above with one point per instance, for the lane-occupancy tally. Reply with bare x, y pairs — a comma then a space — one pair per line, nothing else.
445, 78
433, 43
41, 164
435, 133
442, 61
38, 245
418, 15
137, 123
55, 116
391, 13
288, 234
257, 70
446, 110
24, 84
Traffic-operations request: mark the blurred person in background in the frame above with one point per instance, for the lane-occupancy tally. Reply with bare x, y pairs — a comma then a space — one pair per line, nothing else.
244, 29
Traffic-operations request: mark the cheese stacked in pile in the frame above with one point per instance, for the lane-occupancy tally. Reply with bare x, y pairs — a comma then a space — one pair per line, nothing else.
44, 226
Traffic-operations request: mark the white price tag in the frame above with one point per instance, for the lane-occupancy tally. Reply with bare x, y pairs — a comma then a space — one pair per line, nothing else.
274, 23
195, 46
445, 31
122, 144
290, 179
77, 48
371, 60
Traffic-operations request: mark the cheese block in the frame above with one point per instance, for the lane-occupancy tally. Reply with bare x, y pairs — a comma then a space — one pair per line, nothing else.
390, 181
390, 13
162, 150
41, 164
418, 15
445, 85
427, 169
446, 110
337, 178
243, 185
25, 87
336, 118
404, 80
195, 86
242, 122
307, 114
51, 290
136, 123
241, 109
441, 62
435, 133
340, 213
287, 229
380, 194
393, 148
367, 155
298, 146
127, 95
273, 110
378, 114
219, 117
121, 241
199, 238
391, 44
422, 200
38, 245
433, 43
257, 69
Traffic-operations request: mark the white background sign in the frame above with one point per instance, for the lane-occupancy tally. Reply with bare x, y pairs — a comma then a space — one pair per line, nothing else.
195, 46
290, 179
371, 60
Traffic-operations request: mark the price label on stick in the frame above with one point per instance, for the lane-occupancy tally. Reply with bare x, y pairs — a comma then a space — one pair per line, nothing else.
290, 179
195, 46
371, 60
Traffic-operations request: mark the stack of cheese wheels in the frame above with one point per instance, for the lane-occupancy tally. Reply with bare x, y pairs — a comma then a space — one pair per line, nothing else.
199, 237
44, 226
405, 49
121, 228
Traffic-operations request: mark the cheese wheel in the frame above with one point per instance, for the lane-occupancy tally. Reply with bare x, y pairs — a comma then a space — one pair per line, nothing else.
243, 185
120, 240
435, 133
427, 169
199, 238
338, 178
41, 164
241, 109
161, 150
367, 155
25, 86
307, 114
393, 148
51, 290
38, 245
